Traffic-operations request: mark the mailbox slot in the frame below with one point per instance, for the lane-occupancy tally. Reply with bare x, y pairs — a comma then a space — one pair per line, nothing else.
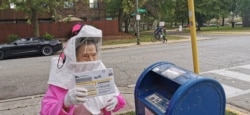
158, 92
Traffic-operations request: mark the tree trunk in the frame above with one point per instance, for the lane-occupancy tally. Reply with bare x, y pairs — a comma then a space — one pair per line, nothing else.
126, 22
199, 20
233, 23
223, 21
120, 18
171, 24
34, 20
246, 19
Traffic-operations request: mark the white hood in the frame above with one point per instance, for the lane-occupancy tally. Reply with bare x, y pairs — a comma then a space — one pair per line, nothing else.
86, 31
63, 77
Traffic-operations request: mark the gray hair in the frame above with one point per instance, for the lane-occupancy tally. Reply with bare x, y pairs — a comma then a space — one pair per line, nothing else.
86, 41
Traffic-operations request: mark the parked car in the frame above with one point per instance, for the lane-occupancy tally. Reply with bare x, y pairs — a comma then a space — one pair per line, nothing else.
30, 46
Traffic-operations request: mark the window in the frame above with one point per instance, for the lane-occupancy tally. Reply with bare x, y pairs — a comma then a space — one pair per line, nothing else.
68, 4
93, 3
12, 5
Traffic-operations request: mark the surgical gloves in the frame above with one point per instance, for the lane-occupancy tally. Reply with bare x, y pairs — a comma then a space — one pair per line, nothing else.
75, 96
111, 104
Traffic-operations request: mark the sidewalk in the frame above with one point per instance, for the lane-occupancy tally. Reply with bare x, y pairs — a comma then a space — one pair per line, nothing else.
144, 43
31, 105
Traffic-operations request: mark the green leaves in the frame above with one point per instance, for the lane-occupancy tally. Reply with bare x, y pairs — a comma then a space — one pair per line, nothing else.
243, 7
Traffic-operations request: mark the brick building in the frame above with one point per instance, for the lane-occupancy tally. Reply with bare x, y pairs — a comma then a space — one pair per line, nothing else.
93, 10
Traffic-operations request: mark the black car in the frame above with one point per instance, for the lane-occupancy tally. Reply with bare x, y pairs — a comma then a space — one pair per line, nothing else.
30, 46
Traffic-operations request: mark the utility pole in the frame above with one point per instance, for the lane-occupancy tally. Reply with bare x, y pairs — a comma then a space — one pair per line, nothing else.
192, 23
137, 23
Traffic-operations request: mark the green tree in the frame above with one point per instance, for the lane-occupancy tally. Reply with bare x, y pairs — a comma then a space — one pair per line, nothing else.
225, 10
206, 10
219, 9
119, 9
122, 10
34, 8
162, 10
244, 10
243, 7
181, 11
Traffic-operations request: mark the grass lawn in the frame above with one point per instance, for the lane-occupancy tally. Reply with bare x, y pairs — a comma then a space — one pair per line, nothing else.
226, 29
221, 29
145, 36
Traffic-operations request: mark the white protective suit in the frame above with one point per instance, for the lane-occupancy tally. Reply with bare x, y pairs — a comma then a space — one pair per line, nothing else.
64, 78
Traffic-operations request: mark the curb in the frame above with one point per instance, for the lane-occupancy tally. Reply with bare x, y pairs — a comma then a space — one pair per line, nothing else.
219, 33
236, 110
22, 98
128, 93
105, 47
142, 44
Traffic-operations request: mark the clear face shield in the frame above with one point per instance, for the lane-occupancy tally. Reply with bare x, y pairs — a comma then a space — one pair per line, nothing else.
87, 52
83, 50
88, 49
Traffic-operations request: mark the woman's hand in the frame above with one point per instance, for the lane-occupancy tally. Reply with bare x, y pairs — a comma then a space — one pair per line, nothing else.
111, 104
75, 96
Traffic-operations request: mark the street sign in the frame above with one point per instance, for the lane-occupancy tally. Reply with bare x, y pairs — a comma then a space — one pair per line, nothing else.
138, 17
134, 14
141, 10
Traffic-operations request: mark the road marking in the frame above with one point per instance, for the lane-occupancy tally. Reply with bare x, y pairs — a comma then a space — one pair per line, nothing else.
211, 71
232, 74
246, 66
239, 93
231, 91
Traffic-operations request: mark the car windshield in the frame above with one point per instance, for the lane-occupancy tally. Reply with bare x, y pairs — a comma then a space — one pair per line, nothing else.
25, 40
35, 39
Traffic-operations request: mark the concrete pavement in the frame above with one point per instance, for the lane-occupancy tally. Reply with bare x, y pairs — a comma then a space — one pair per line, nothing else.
30, 105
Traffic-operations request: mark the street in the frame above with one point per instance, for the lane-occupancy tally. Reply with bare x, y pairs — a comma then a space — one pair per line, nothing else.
224, 57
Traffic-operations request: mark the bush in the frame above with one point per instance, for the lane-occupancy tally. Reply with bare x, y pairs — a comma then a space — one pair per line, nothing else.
12, 37
48, 36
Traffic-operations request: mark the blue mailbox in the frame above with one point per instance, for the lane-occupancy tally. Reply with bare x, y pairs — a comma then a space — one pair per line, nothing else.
165, 89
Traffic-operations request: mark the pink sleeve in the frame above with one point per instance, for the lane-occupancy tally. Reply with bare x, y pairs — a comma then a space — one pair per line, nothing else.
121, 103
52, 102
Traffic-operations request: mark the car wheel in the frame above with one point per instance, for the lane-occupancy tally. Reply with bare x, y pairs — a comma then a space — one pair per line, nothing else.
47, 50
1, 55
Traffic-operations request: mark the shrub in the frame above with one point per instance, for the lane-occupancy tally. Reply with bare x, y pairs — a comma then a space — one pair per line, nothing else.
12, 37
48, 36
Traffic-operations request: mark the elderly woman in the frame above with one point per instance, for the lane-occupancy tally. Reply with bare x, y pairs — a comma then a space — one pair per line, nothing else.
63, 97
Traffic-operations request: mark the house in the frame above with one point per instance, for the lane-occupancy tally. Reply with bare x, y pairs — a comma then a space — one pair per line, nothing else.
93, 10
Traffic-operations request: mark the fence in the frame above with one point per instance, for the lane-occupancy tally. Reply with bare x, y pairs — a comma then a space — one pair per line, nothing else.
59, 29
